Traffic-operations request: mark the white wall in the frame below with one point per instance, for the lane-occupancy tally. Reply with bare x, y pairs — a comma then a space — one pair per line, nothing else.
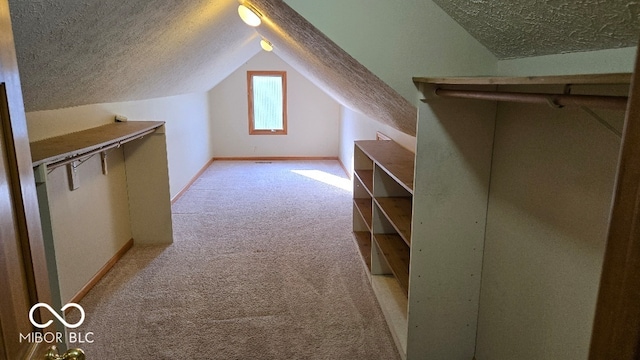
398, 40
591, 62
552, 181
312, 117
187, 128
91, 224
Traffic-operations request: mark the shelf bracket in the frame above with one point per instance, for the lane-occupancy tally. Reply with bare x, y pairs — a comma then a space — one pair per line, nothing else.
72, 173
103, 160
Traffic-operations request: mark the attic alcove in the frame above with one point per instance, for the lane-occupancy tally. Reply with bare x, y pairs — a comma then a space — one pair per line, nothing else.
139, 182
510, 218
157, 80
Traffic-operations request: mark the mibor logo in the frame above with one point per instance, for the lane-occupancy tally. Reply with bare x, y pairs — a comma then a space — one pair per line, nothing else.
58, 316
50, 337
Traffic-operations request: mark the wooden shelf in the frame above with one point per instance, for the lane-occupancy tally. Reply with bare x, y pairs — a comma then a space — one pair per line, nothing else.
396, 253
617, 78
366, 177
365, 209
397, 161
385, 169
363, 240
75, 144
398, 211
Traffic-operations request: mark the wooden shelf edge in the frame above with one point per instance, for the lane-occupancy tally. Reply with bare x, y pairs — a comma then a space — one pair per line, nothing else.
365, 209
584, 79
366, 178
363, 241
66, 146
396, 253
394, 304
396, 161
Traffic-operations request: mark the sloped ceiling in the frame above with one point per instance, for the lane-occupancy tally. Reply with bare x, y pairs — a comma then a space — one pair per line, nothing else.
314, 55
522, 28
77, 52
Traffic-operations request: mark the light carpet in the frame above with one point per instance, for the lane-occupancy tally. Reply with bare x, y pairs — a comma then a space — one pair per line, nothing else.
263, 266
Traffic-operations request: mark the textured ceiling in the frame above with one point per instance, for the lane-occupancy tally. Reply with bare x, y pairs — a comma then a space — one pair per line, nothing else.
522, 28
77, 52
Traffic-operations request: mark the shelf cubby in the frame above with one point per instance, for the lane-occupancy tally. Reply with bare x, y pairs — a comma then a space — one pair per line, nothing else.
396, 253
398, 211
366, 179
363, 206
382, 212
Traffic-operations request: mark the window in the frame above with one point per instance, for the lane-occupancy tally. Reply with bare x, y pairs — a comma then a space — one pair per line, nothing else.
267, 102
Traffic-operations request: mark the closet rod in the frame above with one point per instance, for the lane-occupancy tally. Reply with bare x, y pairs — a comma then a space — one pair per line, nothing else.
57, 164
556, 100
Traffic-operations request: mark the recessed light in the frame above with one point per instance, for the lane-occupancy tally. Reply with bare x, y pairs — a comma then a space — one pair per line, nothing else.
266, 45
249, 16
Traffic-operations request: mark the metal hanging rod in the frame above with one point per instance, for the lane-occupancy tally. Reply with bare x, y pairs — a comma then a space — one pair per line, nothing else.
56, 164
555, 100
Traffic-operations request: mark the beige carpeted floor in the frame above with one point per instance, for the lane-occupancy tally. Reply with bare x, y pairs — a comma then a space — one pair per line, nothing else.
262, 266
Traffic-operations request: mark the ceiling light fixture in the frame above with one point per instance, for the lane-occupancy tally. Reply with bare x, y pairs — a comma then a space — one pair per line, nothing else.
249, 15
266, 45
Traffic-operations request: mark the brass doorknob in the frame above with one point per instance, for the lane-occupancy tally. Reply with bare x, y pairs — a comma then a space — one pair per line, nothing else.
71, 354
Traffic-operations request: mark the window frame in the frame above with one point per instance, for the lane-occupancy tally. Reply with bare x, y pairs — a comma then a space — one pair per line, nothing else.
283, 77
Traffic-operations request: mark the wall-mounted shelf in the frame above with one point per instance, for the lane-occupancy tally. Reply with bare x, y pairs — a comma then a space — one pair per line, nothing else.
460, 88
81, 143
582, 79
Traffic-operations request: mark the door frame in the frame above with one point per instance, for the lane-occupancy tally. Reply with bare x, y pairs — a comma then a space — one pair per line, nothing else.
26, 244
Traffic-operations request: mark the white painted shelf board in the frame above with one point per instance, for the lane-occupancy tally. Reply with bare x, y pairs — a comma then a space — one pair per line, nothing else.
393, 302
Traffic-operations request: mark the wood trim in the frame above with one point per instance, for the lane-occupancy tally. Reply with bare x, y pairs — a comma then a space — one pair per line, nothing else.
556, 100
615, 78
349, 175
397, 161
283, 76
274, 158
616, 330
23, 247
193, 179
81, 142
204, 168
381, 136
101, 273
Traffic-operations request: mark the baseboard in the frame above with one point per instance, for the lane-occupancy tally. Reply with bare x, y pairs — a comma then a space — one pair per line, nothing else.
283, 158
101, 273
193, 179
275, 158
261, 158
345, 169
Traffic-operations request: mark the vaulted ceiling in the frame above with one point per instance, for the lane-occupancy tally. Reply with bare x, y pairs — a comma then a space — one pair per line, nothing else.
77, 52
